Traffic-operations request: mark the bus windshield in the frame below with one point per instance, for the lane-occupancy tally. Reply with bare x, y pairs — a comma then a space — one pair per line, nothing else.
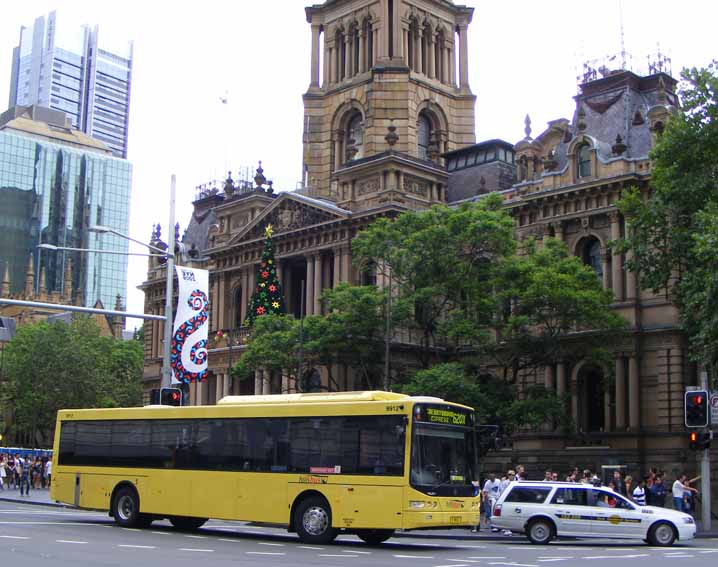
442, 454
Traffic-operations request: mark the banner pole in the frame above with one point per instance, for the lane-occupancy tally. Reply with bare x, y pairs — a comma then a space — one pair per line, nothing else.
166, 379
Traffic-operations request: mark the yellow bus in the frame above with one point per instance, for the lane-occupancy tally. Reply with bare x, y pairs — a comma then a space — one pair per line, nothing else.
365, 463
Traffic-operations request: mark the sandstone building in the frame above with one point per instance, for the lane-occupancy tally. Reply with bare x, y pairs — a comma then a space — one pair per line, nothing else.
389, 127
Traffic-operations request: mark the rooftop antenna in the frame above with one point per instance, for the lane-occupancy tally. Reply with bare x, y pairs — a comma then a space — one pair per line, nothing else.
623, 44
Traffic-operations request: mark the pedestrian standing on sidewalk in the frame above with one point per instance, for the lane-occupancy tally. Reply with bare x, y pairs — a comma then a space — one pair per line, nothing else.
639, 493
48, 473
3, 474
10, 472
679, 489
492, 488
24, 472
658, 492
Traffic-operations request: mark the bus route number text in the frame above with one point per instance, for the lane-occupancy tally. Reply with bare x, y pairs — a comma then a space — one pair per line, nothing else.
445, 416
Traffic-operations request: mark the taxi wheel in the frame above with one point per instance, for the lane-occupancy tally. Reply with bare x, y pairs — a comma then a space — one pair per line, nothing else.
540, 531
662, 534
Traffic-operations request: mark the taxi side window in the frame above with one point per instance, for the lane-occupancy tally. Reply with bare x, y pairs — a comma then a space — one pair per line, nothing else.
570, 497
608, 500
527, 494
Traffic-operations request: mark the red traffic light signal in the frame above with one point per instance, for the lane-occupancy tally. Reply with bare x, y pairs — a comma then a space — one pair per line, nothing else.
171, 397
696, 408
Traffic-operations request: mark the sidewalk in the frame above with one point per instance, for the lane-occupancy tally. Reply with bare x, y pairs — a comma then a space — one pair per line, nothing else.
42, 498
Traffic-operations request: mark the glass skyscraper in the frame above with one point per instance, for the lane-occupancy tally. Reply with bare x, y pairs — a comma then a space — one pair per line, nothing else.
73, 71
55, 183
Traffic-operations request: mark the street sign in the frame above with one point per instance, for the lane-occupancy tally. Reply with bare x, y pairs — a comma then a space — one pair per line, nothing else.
714, 409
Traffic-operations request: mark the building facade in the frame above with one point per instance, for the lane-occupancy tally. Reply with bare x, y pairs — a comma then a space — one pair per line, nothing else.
56, 183
73, 71
388, 128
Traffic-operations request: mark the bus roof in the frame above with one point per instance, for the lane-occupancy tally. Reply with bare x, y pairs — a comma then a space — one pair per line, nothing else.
313, 398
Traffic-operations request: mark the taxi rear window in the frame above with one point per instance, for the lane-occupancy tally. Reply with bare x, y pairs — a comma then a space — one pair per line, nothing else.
528, 494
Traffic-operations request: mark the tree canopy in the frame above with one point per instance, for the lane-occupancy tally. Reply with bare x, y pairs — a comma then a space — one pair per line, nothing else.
673, 229
48, 367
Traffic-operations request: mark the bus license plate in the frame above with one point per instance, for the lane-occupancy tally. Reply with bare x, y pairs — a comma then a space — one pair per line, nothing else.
454, 519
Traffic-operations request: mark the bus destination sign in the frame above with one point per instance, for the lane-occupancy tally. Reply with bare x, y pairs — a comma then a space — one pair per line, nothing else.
447, 416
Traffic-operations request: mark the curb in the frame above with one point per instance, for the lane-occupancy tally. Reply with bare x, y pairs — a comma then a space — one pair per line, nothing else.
35, 503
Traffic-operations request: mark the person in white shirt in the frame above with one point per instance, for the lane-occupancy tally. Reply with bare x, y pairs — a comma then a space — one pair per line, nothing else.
639, 493
48, 472
679, 489
492, 490
510, 477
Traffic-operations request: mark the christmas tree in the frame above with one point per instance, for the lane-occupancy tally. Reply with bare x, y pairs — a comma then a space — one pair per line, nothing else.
267, 296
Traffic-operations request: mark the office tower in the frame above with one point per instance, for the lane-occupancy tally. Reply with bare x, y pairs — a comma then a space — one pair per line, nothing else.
55, 183
72, 70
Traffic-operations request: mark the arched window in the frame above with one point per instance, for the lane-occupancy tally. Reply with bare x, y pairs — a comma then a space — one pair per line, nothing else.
592, 256
354, 137
584, 161
424, 131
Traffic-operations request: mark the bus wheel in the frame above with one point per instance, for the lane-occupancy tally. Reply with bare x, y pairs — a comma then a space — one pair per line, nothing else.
126, 508
314, 521
375, 537
187, 524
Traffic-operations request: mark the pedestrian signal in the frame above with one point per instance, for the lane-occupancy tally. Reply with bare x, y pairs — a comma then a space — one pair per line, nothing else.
696, 408
700, 440
171, 397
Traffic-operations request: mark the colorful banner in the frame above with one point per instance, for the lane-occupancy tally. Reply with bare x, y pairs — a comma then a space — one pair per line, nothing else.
188, 358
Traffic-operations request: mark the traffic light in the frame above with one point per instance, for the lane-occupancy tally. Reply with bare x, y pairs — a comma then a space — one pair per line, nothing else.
171, 397
696, 408
700, 440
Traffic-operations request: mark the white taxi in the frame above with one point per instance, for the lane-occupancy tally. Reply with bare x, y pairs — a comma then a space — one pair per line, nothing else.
545, 510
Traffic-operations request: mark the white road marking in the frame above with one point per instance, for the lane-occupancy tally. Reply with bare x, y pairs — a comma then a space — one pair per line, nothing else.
14, 537
553, 559
263, 553
679, 555
197, 536
132, 529
633, 556
709, 551
273, 544
195, 549
230, 540
161, 533
329, 555
454, 565
310, 547
138, 546
414, 556
487, 557
474, 546
355, 551
464, 560
547, 557
69, 541
514, 564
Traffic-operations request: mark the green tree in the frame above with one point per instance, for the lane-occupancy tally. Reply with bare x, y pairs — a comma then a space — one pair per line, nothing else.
267, 297
443, 263
53, 366
272, 346
548, 295
672, 228
495, 400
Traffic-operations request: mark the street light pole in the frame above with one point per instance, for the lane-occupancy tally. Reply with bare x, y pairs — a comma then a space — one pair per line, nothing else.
166, 379
387, 340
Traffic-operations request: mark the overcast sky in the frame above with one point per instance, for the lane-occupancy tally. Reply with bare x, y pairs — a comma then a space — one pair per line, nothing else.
524, 57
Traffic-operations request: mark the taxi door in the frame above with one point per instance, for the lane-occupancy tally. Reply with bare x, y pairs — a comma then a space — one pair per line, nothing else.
569, 507
615, 516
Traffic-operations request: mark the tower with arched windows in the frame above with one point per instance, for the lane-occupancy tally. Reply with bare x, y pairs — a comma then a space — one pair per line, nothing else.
388, 96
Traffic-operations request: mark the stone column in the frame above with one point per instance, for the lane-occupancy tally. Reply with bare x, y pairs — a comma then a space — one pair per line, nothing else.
452, 67
362, 52
317, 284
309, 302
418, 61
199, 393
620, 394
606, 409
445, 65
226, 385
218, 387
559, 231
574, 403
463, 56
617, 260
316, 30
327, 55
258, 379
246, 292
347, 265
221, 301
337, 266
332, 57
405, 39
349, 56
384, 53
266, 383
338, 158
634, 402
561, 379
193, 393
430, 55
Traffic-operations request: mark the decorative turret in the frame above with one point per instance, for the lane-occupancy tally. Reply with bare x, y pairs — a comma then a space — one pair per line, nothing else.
30, 277
117, 321
5, 290
67, 285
